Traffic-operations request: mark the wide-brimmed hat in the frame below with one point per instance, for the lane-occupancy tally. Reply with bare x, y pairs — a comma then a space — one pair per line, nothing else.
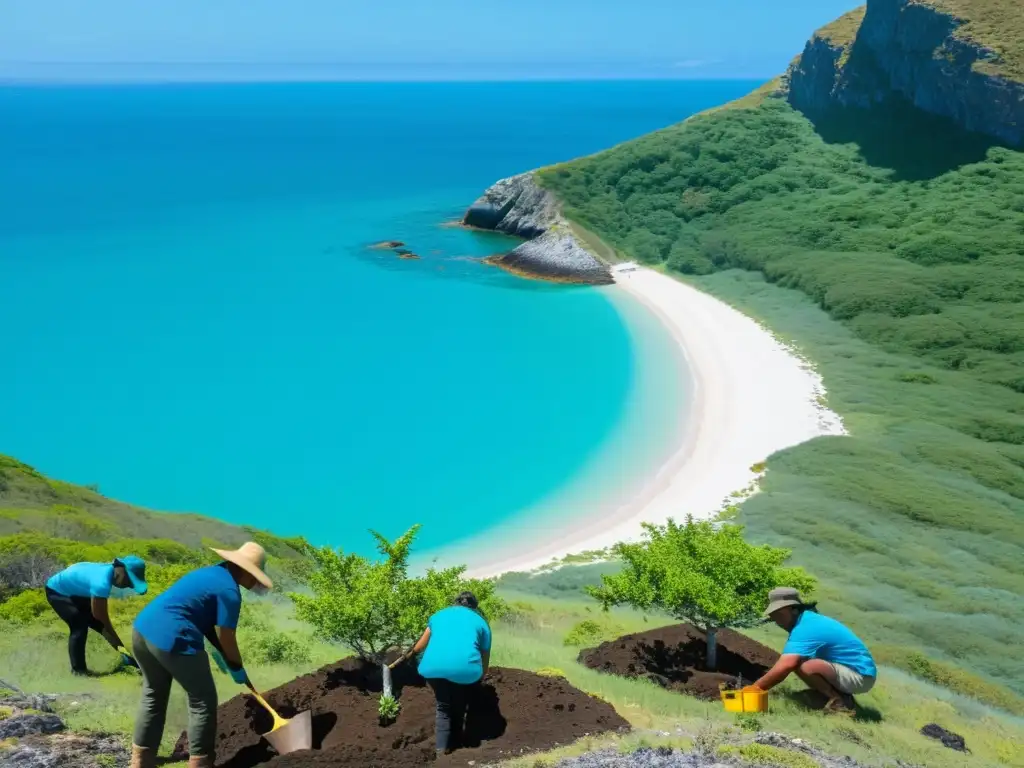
135, 568
251, 558
782, 597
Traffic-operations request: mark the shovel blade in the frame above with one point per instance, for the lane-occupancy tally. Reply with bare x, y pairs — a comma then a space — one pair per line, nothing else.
293, 737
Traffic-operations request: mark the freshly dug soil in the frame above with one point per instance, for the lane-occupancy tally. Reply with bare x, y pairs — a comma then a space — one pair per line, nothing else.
673, 657
514, 712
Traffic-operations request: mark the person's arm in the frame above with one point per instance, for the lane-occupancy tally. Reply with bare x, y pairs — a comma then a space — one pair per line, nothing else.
101, 612
227, 644
485, 648
786, 665
420, 646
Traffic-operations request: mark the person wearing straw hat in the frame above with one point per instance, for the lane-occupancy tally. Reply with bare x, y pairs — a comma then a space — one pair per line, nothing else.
824, 653
79, 595
168, 643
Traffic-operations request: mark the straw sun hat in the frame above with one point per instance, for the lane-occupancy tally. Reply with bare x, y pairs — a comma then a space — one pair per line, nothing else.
251, 558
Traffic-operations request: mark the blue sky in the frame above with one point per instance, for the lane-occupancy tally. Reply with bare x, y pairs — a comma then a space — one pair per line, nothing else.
404, 39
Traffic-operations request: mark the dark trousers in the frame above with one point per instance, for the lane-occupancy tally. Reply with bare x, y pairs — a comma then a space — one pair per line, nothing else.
451, 711
77, 614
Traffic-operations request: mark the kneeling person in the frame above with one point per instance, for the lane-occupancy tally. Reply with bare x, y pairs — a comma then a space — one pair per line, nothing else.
79, 595
823, 653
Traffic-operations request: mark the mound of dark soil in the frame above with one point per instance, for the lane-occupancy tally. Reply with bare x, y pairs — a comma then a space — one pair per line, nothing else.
514, 712
673, 657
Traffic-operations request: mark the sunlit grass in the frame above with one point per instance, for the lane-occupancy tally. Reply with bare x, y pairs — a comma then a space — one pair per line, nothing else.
532, 639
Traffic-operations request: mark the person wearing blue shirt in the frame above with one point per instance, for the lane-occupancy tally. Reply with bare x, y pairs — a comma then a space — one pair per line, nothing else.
79, 595
823, 653
456, 648
168, 642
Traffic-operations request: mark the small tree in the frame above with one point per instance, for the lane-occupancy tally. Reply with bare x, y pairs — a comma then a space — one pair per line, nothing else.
375, 608
701, 573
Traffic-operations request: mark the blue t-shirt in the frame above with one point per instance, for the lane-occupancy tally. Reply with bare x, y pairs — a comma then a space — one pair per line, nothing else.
819, 637
179, 619
458, 635
84, 580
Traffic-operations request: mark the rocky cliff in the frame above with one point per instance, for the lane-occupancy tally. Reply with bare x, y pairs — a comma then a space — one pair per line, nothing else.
519, 206
917, 50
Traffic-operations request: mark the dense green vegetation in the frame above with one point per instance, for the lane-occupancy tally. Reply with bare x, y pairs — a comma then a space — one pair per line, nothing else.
46, 525
909, 233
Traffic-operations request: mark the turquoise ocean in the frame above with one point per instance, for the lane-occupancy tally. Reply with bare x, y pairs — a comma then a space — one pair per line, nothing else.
193, 321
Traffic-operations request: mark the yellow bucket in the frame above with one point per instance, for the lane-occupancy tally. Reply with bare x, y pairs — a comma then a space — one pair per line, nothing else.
745, 701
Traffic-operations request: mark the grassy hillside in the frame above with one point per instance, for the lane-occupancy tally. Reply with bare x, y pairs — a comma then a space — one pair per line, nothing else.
533, 637
994, 24
909, 234
46, 524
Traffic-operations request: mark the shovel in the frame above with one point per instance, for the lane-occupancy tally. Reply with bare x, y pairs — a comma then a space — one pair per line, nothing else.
287, 736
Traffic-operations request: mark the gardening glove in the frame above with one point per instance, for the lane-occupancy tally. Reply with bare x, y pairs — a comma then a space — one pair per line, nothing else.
219, 661
126, 658
239, 676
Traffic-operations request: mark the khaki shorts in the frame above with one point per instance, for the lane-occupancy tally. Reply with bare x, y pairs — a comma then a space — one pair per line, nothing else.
852, 682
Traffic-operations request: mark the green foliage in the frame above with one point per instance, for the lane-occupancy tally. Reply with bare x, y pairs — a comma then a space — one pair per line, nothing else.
908, 234
590, 632
25, 607
763, 754
270, 647
388, 708
701, 573
375, 607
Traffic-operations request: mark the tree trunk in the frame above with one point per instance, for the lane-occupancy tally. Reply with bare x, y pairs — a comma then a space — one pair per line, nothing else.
712, 654
386, 672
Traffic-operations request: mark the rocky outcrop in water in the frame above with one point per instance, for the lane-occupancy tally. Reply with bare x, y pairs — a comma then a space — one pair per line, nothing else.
519, 206
910, 49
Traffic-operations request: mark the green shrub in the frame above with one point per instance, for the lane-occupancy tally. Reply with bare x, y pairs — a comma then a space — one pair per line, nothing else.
279, 648
763, 754
25, 607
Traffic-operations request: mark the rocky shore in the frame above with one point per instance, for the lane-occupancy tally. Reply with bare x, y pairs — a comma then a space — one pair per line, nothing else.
518, 206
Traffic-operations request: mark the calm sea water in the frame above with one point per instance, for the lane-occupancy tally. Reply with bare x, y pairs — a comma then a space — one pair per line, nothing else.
193, 320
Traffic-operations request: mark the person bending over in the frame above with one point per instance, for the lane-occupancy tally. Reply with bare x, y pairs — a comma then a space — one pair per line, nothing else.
456, 648
823, 653
168, 643
79, 595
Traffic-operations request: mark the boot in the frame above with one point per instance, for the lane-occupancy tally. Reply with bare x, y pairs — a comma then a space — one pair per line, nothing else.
143, 757
200, 761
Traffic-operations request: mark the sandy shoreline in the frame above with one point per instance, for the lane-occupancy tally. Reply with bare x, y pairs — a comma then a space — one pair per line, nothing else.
751, 396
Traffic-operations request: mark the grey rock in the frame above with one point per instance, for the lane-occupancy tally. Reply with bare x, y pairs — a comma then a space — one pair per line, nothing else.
20, 726
67, 751
910, 49
516, 206
519, 206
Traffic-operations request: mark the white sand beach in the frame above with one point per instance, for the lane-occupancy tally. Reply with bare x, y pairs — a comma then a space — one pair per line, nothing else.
751, 396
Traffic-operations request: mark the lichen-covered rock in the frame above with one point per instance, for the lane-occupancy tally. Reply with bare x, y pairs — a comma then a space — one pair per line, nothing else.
556, 255
20, 726
67, 751
910, 49
519, 206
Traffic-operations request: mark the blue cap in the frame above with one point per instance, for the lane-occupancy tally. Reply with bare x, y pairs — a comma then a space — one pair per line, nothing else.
135, 567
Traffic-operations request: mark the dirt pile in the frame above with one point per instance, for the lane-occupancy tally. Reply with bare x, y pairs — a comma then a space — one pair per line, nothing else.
512, 713
673, 657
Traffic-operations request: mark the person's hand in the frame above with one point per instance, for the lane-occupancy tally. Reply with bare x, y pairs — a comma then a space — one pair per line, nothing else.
239, 675
752, 689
